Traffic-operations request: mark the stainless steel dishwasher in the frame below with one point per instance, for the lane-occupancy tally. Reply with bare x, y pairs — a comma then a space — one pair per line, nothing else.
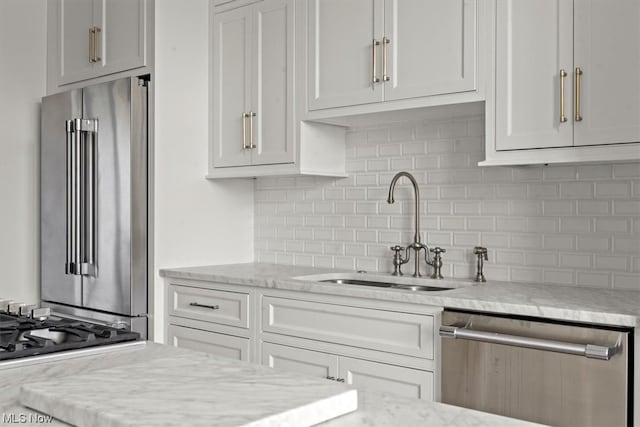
537, 370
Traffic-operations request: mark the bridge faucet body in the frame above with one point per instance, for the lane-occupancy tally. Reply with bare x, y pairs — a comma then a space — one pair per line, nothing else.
417, 244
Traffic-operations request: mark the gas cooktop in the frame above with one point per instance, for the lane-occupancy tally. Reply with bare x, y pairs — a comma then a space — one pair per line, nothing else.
29, 331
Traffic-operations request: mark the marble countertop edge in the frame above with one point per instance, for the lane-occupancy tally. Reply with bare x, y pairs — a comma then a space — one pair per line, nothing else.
559, 302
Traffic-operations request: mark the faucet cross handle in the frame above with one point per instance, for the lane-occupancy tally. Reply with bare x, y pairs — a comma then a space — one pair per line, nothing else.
481, 254
398, 260
437, 250
437, 262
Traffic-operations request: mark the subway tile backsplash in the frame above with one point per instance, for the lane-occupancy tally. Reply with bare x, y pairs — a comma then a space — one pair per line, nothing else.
568, 224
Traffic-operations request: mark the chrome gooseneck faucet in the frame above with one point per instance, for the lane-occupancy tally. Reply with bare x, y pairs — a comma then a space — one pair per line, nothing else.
417, 244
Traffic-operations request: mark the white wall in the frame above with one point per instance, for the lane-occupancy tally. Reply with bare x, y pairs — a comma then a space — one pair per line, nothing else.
573, 224
197, 221
22, 84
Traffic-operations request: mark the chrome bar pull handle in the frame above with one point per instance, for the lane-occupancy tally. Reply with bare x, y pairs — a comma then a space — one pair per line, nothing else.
563, 76
385, 58
589, 350
211, 307
77, 192
69, 267
82, 199
244, 130
578, 116
374, 65
90, 202
251, 116
89, 170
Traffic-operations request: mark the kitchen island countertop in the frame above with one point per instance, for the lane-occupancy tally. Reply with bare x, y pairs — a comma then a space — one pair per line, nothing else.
569, 303
373, 409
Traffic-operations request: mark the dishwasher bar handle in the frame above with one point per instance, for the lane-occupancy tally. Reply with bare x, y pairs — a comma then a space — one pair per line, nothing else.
589, 350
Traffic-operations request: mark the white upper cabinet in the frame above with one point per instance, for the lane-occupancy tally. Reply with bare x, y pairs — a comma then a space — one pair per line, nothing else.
254, 123
607, 52
252, 80
567, 82
96, 38
534, 56
344, 46
231, 86
273, 92
370, 51
430, 47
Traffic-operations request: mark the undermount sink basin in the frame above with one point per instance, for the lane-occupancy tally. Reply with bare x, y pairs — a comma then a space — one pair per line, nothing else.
358, 282
378, 280
386, 285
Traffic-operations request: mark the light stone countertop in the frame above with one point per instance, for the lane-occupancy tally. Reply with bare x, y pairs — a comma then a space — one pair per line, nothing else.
190, 389
374, 410
571, 303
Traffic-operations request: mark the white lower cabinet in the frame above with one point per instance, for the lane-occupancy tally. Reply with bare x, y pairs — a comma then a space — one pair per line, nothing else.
210, 317
209, 342
361, 373
376, 345
372, 345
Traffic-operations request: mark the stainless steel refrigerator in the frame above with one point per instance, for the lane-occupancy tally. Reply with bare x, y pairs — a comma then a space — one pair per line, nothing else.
93, 203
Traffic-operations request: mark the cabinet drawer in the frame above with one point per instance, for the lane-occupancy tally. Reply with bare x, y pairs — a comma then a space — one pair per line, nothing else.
389, 331
210, 305
209, 342
385, 378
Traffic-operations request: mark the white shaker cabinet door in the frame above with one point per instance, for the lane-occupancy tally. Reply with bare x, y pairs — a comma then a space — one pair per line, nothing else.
380, 377
122, 43
607, 51
273, 50
342, 57
119, 43
231, 89
75, 19
534, 45
223, 345
314, 363
431, 48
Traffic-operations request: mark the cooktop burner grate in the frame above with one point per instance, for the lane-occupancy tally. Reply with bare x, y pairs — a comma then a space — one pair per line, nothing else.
22, 336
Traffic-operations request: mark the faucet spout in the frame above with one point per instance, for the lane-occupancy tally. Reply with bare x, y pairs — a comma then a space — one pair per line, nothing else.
416, 194
417, 245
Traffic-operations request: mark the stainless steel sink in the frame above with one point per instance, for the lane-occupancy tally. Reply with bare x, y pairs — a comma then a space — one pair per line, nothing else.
407, 287
386, 281
358, 282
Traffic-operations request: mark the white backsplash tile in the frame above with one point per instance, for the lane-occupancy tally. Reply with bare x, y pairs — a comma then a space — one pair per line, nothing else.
567, 224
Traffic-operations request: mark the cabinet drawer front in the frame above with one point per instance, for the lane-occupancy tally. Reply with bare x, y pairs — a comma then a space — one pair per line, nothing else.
315, 363
381, 377
209, 342
390, 331
210, 305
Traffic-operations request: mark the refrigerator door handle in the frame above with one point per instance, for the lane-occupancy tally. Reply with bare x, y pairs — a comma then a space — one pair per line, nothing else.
77, 197
87, 199
70, 267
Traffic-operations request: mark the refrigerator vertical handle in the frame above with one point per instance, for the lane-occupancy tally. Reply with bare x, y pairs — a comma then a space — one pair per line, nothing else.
87, 200
69, 267
77, 196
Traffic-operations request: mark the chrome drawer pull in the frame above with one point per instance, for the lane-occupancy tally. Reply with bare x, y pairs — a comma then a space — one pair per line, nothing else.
589, 350
197, 304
